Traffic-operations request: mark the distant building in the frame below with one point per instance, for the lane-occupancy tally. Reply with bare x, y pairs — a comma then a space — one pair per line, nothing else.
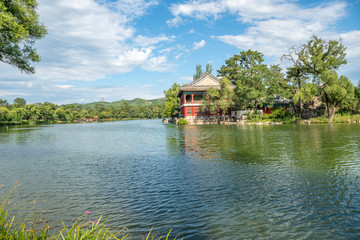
192, 94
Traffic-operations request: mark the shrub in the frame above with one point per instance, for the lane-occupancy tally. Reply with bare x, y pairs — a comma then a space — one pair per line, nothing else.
182, 121
279, 113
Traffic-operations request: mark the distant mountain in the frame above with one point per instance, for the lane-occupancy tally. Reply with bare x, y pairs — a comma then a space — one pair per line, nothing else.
138, 102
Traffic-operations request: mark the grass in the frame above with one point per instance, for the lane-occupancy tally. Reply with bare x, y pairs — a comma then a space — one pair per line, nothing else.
18, 223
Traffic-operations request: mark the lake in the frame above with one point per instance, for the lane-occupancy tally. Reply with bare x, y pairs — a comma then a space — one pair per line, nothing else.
204, 182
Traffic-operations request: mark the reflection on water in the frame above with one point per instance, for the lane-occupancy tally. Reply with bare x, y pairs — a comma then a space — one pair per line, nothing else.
204, 182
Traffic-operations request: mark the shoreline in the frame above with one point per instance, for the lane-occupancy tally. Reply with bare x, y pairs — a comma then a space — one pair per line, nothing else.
26, 122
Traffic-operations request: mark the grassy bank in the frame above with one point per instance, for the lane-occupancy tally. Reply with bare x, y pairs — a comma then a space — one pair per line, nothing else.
19, 222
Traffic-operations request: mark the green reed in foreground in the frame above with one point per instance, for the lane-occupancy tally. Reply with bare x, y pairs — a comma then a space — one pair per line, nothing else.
17, 225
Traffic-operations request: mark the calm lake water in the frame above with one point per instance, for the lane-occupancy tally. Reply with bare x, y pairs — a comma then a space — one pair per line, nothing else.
204, 182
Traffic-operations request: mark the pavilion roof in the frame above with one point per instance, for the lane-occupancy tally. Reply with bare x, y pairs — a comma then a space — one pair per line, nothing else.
202, 84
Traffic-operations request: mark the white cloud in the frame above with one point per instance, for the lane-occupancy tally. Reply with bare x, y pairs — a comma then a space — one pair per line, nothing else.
249, 11
144, 41
88, 40
273, 26
198, 45
131, 8
203, 10
64, 86
132, 58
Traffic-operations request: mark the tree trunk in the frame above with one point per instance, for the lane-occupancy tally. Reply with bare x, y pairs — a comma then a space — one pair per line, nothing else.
331, 108
300, 103
331, 113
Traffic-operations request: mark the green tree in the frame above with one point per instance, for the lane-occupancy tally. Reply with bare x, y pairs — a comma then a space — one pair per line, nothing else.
336, 91
18, 114
209, 68
19, 102
320, 58
47, 110
4, 114
59, 114
250, 76
235, 66
33, 112
276, 83
171, 100
4, 103
218, 101
19, 28
199, 72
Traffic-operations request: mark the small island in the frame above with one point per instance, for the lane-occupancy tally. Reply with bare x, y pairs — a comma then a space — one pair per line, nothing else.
247, 91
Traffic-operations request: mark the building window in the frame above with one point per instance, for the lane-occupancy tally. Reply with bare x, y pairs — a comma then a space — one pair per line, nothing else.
188, 98
198, 98
188, 111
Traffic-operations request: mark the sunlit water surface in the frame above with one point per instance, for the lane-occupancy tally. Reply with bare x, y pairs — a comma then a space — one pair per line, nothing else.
204, 182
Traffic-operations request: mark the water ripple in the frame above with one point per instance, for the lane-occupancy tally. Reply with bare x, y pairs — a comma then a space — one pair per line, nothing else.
204, 182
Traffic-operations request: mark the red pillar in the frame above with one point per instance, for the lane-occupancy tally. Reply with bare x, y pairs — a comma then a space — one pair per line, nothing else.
192, 98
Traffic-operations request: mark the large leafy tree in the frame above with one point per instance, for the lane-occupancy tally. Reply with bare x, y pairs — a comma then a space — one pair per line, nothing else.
4, 114
4, 103
336, 91
235, 66
171, 100
251, 76
19, 28
19, 102
321, 58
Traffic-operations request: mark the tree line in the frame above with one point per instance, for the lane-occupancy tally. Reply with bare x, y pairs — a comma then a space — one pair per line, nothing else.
311, 75
48, 112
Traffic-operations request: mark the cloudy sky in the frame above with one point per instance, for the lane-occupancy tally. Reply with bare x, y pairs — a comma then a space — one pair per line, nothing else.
123, 49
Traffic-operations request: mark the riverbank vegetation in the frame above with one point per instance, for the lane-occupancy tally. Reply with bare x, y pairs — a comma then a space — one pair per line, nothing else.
310, 85
22, 113
18, 222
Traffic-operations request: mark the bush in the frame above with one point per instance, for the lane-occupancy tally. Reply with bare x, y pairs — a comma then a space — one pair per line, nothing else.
182, 121
279, 113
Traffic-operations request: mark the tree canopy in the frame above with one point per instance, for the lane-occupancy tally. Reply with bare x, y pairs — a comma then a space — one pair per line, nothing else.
171, 100
199, 71
19, 28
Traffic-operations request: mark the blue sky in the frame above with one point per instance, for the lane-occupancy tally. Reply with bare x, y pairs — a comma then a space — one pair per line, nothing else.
138, 48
